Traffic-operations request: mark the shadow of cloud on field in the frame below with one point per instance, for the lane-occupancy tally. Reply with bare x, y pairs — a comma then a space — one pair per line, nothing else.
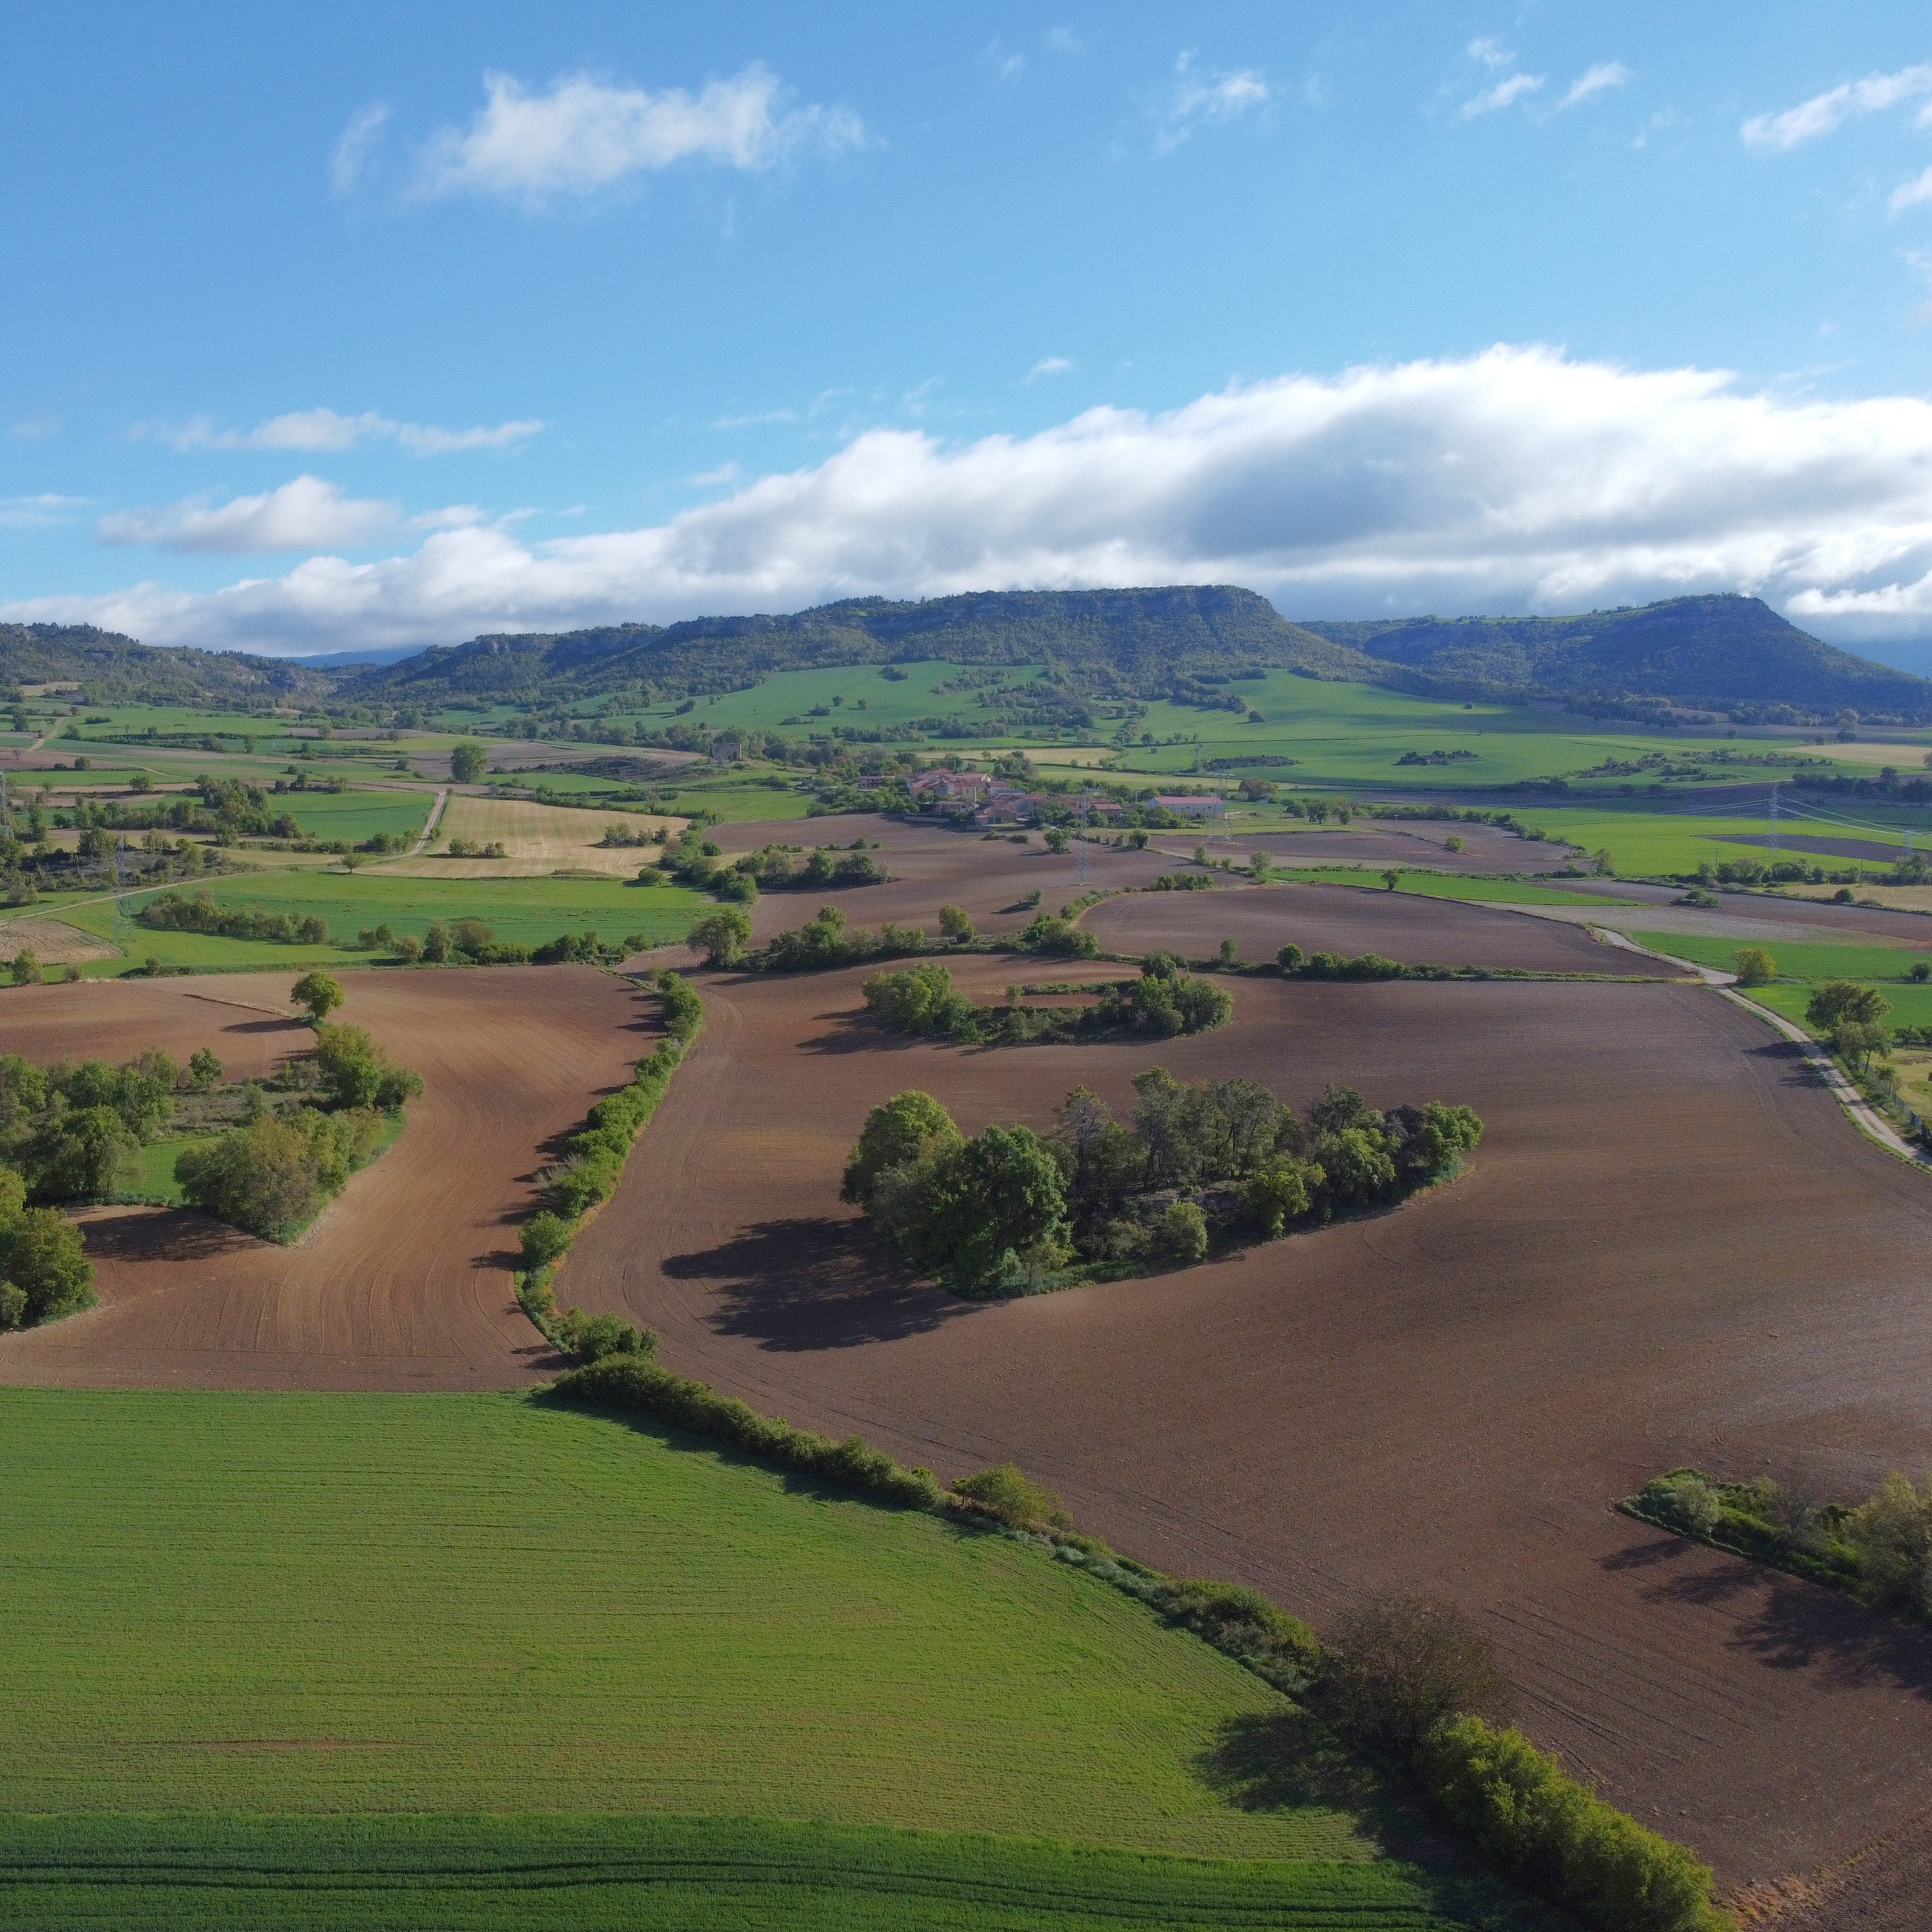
1787, 1623
813, 1282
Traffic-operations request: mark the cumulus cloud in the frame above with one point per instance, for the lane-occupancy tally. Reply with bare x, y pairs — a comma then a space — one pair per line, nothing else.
1825, 113
1049, 365
583, 135
308, 514
1594, 80
1502, 95
328, 430
1205, 98
1492, 53
1519, 479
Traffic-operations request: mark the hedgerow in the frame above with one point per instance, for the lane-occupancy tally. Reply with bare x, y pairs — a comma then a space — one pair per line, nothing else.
593, 1163
636, 1383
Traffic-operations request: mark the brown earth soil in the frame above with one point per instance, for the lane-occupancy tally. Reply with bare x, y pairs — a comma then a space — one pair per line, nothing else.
1260, 920
1672, 1248
1417, 843
404, 1281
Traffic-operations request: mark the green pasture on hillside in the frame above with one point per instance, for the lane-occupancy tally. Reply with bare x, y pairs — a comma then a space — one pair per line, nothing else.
223, 1604
523, 912
1452, 886
358, 815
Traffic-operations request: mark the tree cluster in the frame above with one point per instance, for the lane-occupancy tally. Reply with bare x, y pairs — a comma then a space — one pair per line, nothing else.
65, 1129
171, 912
1200, 1163
1166, 1000
44, 1272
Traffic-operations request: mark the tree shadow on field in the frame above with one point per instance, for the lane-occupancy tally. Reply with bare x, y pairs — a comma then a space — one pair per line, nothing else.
165, 1235
1289, 1760
1795, 1067
812, 1282
1783, 1621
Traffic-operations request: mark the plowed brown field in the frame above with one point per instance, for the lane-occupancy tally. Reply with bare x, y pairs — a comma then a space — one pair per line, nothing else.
1672, 1247
404, 1282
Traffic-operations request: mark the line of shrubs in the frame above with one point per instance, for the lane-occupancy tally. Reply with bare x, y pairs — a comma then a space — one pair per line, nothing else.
171, 912
1165, 1000
593, 1163
1403, 1676
1878, 1550
470, 942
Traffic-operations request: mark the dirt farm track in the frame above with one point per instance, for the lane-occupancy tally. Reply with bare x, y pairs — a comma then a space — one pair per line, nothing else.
1672, 1247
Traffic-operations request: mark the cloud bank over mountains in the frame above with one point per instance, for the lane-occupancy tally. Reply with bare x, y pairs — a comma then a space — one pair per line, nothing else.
1519, 479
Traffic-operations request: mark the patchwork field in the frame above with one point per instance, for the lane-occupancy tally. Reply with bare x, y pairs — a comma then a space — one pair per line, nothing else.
355, 1605
537, 840
1672, 1248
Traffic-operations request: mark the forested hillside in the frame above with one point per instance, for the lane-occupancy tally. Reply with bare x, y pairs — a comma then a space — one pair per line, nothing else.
1141, 643
1721, 651
112, 667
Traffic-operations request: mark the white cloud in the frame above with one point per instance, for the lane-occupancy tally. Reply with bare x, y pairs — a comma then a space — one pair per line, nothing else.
1594, 80
1825, 113
308, 514
1049, 365
355, 145
310, 430
1006, 64
1063, 41
1492, 53
1502, 95
44, 511
36, 429
583, 135
1204, 98
1911, 193
1516, 479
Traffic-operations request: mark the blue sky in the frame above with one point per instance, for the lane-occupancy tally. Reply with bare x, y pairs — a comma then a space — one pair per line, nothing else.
328, 328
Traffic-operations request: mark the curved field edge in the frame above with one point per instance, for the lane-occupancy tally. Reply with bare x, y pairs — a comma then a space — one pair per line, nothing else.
641, 1873
298, 1603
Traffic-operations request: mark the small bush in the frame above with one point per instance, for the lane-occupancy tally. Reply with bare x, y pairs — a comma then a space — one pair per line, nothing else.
1182, 1235
1683, 1500
1006, 1493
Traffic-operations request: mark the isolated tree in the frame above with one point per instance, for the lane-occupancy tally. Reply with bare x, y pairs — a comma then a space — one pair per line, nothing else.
1756, 966
1260, 864
1838, 1002
26, 968
468, 761
318, 992
1391, 878
1398, 1665
1855, 1043
1056, 838
1290, 959
204, 1070
722, 935
956, 924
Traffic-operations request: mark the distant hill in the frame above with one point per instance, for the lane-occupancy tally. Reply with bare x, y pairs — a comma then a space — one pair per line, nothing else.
1718, 652
110, 668
1176, 640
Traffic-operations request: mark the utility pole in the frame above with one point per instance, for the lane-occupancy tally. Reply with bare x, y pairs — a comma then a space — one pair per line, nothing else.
1772, 840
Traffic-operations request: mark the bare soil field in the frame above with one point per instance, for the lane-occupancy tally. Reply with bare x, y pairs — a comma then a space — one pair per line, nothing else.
931, 866
1260, 920
1672, 1248
537, 840
1420, 844
404, 1282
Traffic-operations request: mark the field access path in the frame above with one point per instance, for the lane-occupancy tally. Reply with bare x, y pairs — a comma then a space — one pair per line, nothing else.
1672, 1248
403, 1283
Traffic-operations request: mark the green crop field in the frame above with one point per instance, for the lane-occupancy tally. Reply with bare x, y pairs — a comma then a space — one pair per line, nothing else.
1873, 961
265, 1604
534, 1874
524, 912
